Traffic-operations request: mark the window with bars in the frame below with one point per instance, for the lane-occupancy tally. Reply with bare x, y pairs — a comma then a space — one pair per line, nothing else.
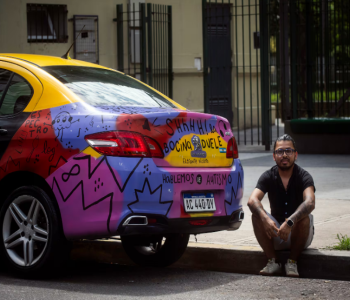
47, 23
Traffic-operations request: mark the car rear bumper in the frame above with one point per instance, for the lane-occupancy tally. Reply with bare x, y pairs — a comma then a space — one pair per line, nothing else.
96, 194
192, 225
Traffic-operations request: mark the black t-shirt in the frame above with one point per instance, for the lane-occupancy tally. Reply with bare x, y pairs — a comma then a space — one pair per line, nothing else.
283, 202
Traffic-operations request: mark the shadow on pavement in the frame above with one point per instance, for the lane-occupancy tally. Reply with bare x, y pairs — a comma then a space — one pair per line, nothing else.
113, 279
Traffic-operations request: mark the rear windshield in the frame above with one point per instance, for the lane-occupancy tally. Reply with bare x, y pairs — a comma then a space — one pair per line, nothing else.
101, 87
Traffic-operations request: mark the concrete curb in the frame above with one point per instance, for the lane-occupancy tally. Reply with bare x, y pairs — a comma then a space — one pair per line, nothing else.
320, 264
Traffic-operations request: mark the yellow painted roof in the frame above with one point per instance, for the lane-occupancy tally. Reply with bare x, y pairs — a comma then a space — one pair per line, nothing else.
33, 62
46, 60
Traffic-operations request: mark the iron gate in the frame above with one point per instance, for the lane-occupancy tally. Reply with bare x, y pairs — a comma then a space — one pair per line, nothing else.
146, 52
232, 67
289, 59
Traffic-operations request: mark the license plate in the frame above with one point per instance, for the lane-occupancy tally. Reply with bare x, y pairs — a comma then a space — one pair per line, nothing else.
199, 202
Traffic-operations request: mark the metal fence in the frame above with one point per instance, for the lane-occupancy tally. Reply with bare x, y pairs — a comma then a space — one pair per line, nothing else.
321, 58
285, 59
144, 37
232, 58
308, 58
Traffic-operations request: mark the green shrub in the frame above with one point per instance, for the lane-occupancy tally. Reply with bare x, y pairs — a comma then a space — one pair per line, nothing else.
344, 243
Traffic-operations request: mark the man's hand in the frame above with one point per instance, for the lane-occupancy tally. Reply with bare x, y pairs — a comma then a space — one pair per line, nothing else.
284, 231
254, 203
270, 228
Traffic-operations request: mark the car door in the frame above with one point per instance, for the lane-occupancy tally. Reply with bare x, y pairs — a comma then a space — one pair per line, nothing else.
20, 90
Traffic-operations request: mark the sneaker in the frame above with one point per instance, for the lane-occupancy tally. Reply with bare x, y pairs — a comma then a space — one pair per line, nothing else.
271, 268
291, 268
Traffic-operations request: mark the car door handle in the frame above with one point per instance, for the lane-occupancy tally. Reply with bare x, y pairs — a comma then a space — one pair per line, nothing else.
3, 131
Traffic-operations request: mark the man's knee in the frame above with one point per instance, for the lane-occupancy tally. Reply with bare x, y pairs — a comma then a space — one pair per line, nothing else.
303, 223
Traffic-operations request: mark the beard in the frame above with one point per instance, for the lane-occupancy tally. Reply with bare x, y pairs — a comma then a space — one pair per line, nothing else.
283, 167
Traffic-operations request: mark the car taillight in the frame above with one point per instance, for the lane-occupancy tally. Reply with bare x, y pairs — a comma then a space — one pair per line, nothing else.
124, 143
154, 148
200, 222
232, 150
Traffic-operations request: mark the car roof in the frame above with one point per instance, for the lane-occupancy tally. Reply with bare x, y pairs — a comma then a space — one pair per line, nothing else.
46, 60
38, 61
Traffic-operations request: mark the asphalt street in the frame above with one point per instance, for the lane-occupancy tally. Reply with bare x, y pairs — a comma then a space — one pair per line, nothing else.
98, 281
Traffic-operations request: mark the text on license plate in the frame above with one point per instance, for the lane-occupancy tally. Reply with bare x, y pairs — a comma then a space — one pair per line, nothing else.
199, 202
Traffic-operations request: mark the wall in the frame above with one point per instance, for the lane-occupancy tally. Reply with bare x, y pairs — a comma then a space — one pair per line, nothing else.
13, 29
187, 45
187, 38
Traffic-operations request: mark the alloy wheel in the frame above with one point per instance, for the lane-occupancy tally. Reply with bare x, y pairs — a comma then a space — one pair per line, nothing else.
153, 247
25, 230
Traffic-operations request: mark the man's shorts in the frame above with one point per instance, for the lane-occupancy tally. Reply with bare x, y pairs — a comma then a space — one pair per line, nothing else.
280, 244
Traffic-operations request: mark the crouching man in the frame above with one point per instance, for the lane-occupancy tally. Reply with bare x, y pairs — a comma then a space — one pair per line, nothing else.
291, 194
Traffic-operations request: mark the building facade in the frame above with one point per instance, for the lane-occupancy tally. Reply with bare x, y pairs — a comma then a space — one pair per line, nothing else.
206, 41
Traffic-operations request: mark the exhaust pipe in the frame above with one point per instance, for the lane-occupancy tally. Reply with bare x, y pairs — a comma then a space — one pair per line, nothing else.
234, 223
136, 220
241, 216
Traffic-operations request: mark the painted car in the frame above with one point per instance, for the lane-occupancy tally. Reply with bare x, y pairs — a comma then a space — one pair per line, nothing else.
88, 152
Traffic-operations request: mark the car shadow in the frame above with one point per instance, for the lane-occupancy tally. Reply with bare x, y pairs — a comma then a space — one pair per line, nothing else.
114, 279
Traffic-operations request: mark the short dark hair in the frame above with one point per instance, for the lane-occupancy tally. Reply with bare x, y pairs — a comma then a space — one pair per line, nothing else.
285, 137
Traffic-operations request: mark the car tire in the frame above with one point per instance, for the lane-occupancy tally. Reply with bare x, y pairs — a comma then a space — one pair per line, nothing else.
155, 251
32, 242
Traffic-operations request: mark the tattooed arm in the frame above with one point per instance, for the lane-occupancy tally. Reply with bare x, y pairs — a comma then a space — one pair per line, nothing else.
254, 203
255, 206
306, 207
302, 211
